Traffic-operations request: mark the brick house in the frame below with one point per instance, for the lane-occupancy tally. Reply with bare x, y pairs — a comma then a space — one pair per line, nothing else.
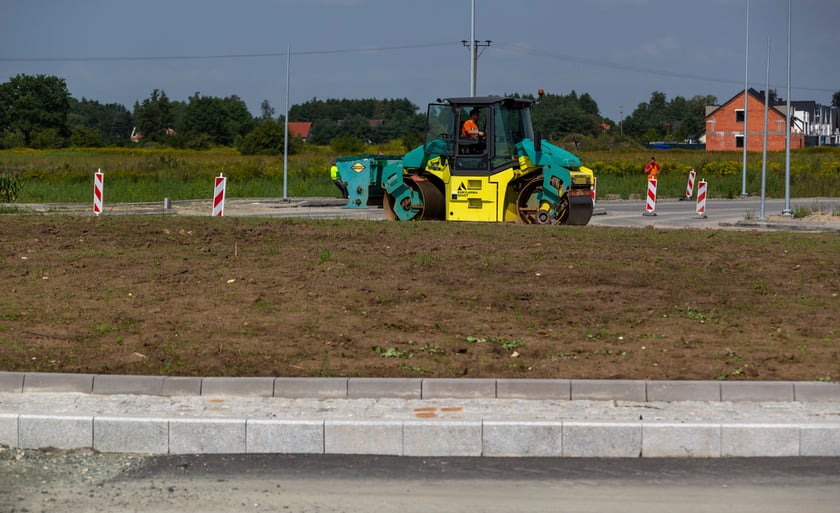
300, 129
725, 124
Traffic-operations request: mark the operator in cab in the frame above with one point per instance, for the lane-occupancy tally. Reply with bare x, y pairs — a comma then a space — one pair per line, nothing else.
469, 130
472, 138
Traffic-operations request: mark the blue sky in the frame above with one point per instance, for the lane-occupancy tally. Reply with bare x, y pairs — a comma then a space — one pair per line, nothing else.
618, 51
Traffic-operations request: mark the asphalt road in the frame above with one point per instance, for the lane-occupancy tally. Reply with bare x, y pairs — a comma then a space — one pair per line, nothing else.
669, 213
719, 213
101, 482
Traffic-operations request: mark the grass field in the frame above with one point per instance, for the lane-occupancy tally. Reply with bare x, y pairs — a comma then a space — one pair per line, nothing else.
135, 175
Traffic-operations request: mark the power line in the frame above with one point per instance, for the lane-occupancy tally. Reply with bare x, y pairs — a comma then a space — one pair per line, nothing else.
516, 49
519, 49
372, 49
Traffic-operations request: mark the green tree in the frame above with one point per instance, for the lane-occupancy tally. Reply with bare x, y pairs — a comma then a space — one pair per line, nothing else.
357, 126
12, 139
694, 119
266, 111
559, 115
588, 105
662, 119
46, 138
323, 131
366, 119
835, 99
647, 121
347, 144
239, 120
112, 122
268, 138
154, 117
31, 105
218, 120
84, 137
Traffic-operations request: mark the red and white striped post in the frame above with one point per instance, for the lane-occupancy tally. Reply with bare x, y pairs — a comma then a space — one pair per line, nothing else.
701, 199
98, 182
689, 188
594, 188
219, 196
650, 205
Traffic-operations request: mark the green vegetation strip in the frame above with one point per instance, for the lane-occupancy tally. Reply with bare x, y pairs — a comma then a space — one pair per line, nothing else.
143, 175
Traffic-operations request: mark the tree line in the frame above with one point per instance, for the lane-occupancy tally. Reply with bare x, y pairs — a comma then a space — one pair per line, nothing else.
39, 112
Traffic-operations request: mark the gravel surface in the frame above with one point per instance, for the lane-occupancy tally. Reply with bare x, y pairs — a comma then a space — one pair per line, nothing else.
36, 481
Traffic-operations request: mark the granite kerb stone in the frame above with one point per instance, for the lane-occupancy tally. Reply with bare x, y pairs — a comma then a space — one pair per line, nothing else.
424, 388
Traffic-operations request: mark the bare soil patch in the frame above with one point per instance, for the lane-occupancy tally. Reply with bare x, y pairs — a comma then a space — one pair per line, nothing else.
177, 295
810, 218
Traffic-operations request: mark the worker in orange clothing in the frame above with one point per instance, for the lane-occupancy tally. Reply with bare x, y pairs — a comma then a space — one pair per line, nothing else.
652, 169
470, 127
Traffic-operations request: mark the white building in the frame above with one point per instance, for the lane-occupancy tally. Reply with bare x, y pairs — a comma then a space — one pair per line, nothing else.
819, 123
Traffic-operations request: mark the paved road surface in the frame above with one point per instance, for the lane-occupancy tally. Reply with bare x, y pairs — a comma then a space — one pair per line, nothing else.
720, 213
426, 485
670, 213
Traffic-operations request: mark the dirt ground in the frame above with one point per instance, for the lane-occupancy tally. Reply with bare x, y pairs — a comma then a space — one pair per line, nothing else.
202, 296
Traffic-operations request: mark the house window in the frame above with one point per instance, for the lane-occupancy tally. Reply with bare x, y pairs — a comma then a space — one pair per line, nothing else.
739, 141
739, 115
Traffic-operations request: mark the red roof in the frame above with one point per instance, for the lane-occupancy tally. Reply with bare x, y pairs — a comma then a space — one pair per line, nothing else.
300, 128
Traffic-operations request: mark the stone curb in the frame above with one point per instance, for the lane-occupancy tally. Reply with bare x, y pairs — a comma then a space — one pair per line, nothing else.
421, 388
484, 436
811, 226
428, 438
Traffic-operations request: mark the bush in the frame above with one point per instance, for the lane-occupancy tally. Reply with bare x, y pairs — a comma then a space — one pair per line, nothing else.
347, 145
199, 142
46, 138
411, 141
12, 139
84, 137
9, 188
267, 139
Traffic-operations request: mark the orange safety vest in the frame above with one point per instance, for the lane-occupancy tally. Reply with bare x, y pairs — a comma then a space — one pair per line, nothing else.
652, 170
469, 126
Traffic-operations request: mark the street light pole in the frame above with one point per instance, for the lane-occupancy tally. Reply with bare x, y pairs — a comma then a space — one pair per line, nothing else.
286, 128
473, 50
787, 211
746, 102
473, 45
766, 128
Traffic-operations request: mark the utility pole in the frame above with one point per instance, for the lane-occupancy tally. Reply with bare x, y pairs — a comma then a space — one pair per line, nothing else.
621, 120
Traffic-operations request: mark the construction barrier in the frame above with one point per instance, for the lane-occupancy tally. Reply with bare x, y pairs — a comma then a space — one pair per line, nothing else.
98, 182
650, 205
701, 199
594, 187
219, 196
689, 188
